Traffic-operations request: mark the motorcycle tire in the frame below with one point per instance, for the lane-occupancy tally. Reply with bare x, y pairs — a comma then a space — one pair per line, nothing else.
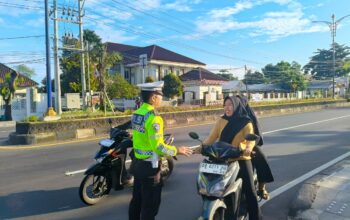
93, 188
166, 168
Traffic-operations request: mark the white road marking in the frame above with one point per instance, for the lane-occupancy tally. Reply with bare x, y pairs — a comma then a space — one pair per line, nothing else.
268, 132
6, 131
306, 124
68, 173
304, 177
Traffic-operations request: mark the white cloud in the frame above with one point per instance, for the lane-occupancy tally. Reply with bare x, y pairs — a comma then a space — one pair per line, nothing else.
229, 11
178, 6
116, 14
273, 25
182, 5
145, 5
108, 33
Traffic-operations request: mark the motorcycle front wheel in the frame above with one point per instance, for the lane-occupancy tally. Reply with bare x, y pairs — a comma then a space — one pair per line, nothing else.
93, 188
219, 214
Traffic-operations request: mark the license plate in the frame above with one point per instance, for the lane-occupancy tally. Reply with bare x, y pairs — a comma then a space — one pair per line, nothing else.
213, 168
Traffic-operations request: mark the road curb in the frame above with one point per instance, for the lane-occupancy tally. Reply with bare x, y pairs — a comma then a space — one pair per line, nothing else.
6, 124
304, 197
302, 205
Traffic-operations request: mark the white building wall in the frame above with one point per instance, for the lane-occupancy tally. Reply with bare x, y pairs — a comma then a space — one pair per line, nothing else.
188, 90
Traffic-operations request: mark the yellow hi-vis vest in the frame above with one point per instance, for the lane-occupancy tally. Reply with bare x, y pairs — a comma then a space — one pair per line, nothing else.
147, 133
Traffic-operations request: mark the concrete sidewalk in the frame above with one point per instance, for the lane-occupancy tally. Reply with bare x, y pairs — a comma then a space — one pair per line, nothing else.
327, 195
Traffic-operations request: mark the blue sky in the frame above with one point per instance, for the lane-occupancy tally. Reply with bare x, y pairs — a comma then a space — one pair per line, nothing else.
220, 33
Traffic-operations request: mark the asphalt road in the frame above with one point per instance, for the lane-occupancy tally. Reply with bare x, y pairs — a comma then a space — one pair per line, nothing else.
33, 185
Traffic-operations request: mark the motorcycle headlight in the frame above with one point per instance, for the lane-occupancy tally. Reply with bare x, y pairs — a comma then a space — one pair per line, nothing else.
212, 184
217, 189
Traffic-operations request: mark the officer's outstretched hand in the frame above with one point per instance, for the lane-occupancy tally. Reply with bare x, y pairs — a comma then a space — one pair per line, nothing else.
186, 151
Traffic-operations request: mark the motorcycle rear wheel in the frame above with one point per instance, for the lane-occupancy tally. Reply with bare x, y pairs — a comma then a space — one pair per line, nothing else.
93, 188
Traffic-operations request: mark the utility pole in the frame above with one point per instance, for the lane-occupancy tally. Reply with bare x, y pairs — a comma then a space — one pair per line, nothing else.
83, 82
69, 16
56, 62
50, 111
333, 27
88, 73
246, 84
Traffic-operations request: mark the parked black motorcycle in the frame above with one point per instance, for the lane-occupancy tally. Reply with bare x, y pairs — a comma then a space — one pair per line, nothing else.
109, 171
218, 181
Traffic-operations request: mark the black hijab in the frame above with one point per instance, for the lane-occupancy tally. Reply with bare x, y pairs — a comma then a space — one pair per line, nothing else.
252, 116
236, 122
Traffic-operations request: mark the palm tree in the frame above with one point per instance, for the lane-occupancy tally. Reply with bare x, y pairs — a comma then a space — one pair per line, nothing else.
7, 91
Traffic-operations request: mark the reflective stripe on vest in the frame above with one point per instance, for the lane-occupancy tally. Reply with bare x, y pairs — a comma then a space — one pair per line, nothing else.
144, 152
164, 150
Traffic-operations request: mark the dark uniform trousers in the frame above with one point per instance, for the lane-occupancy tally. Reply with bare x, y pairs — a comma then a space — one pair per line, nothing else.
146, 192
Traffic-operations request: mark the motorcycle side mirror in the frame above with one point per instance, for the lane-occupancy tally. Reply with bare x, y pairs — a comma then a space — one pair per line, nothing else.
193, 135
252, 137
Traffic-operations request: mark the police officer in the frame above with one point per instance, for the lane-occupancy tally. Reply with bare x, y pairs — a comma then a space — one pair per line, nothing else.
148, 145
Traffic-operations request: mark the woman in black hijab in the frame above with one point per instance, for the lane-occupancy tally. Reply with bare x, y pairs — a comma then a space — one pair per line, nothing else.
259, 160
232, 128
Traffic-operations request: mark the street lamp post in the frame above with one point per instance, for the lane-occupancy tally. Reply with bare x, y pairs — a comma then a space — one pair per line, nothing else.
333, 27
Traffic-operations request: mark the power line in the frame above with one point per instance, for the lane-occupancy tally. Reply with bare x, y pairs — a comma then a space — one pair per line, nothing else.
171, 27
173, 18
22, 37
172, 42
20, 6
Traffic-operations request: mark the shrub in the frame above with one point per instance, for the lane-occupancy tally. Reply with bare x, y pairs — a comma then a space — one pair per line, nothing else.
32, 118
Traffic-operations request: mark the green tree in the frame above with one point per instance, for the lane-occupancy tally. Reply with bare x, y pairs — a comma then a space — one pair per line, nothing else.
172, 86
288, 76
254, 78
225, 74
346, 66
118, 87
7, 91
321, 64
25, 70
104, 64
42, 89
